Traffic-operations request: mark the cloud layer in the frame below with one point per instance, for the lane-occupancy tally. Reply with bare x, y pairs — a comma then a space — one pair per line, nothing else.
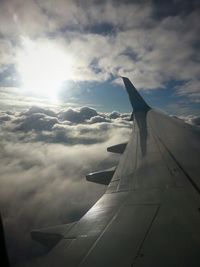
45, 156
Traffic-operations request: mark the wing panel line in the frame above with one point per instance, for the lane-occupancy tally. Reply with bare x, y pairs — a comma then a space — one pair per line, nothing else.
182, 169
145, 236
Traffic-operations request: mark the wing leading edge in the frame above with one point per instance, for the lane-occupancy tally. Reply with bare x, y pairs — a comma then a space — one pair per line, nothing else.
149, 215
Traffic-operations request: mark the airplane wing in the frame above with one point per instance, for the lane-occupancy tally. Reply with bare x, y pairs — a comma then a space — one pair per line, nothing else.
150, 213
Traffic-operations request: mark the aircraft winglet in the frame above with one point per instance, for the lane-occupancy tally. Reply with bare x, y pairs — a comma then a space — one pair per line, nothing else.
136, 100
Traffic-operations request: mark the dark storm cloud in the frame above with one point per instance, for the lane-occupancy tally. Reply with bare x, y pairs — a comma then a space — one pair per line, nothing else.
44, 159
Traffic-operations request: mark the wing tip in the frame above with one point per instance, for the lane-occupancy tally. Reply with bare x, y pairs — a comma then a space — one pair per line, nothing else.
137, 101
124, 78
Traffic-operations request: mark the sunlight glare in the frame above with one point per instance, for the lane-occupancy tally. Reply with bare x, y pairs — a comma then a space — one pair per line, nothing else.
43, 68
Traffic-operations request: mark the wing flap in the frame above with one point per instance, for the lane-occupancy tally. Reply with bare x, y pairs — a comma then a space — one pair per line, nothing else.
101, 177
119, 148
108, 251
50, 236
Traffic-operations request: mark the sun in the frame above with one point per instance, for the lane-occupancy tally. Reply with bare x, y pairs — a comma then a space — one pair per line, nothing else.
43, 67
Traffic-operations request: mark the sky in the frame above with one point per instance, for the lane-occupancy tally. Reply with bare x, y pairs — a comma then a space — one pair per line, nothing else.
72, 53
62, 101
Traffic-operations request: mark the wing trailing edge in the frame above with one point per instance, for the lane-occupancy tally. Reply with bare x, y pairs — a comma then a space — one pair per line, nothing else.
50, 236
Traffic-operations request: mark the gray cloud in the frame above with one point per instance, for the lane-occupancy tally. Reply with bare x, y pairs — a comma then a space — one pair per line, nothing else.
71, 126
96, 119
191, 119
196, 121
44, 159
35, 122
191, 88
78, 116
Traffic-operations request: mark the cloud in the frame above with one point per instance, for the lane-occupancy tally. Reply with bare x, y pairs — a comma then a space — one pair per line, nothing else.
35, 122
196, 121
190, 88
71, 126
23, 17
96, 119
77, 116
45, 156
191, 119
36, 110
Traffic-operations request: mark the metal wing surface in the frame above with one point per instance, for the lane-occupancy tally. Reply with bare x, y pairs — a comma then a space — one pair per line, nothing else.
150, 213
